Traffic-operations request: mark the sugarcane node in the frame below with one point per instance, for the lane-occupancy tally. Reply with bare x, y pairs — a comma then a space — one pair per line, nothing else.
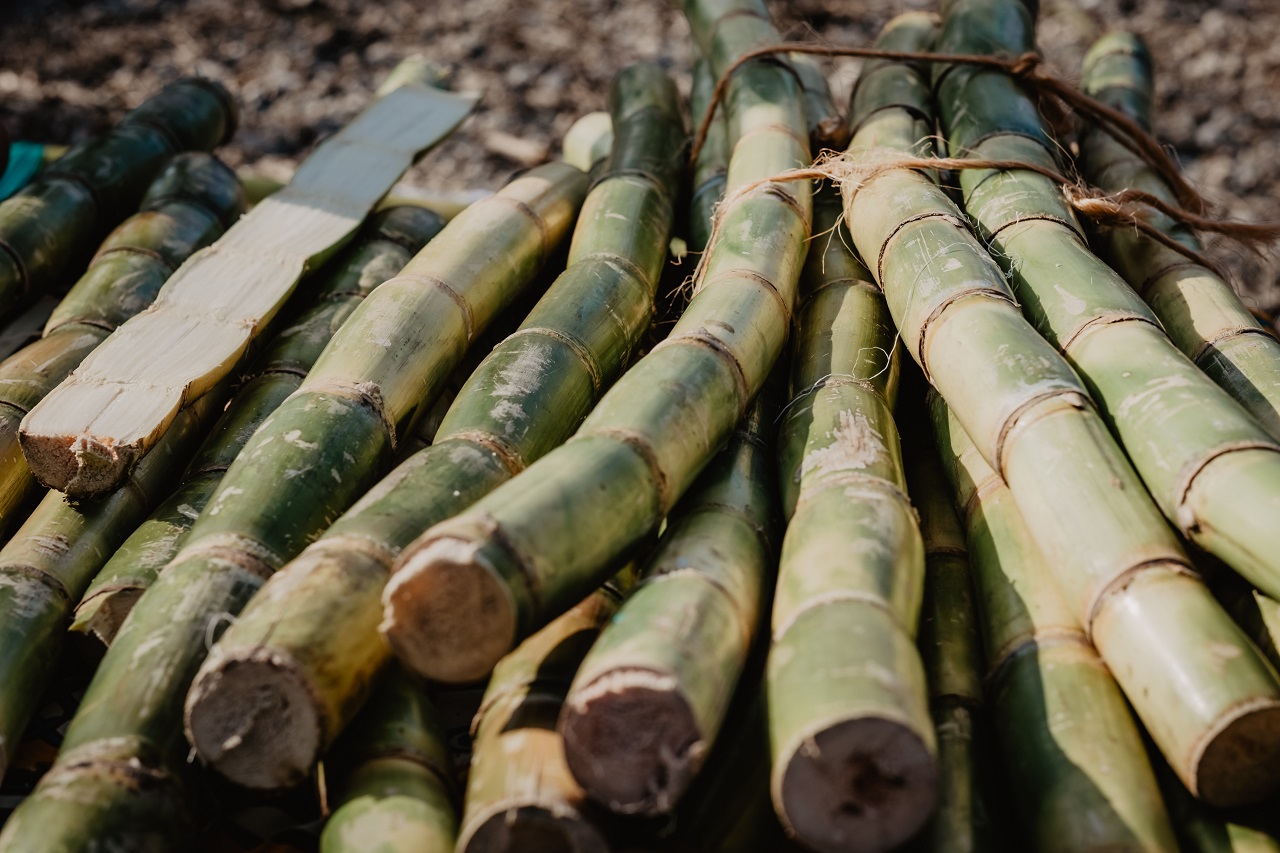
534, 829
447, 614
253, 718
863, 785
1185, 513
632, 741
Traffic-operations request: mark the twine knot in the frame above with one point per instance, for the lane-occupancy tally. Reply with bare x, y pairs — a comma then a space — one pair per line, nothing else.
1026, 65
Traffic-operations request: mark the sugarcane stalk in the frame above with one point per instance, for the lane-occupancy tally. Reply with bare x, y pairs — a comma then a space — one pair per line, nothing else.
1198, 309
386, 243
951, 647
536, 545
90, 430
28, 326
1079, 775
392, 771
588, 140
129, 725
192, 201
711, 169
520, 793
1211, 468
827, 128
854, 753
54, 221
50, 560
1118, 564
669, 662
310, 640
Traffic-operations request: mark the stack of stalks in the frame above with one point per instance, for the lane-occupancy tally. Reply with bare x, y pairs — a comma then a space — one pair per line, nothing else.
886, 533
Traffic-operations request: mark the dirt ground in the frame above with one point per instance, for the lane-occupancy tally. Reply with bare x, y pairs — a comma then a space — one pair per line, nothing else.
301, 68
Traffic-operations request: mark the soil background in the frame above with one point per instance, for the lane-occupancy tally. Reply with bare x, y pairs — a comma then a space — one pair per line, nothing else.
301, 68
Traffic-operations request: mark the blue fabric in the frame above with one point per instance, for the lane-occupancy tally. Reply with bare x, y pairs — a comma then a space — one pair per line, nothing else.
25, 159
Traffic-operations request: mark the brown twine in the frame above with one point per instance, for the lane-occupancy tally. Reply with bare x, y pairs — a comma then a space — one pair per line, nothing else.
1128, 208
1029, 69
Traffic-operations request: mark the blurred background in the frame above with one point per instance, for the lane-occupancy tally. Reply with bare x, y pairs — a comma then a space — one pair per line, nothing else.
302, 68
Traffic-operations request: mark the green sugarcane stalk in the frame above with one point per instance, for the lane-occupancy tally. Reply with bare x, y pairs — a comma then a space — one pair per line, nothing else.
310, 641
1200, 311
386, 243
50, 560
951, 647
185, 209
711, 169
668, 664
520, 793
51, 223
1259, 615
393, 777
129, 725
827, 128
1117, 562
28, 326
1212, 469
588, 141
854, 753
536, 545
104, 417
1079, 775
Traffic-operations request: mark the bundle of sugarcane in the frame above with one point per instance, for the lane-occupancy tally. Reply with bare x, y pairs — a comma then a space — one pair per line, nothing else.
310, 640
1033, 421
54, 221
1072, 429
317, 452
1199, 310
1214, 472
192, 201
378, 253
86, 434
536, 545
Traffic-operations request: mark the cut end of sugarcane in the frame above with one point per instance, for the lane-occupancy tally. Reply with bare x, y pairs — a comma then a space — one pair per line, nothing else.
98, 619
535, 829
447, 615
255, 721
860, 786
632, 742
81, 466
1240, 763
